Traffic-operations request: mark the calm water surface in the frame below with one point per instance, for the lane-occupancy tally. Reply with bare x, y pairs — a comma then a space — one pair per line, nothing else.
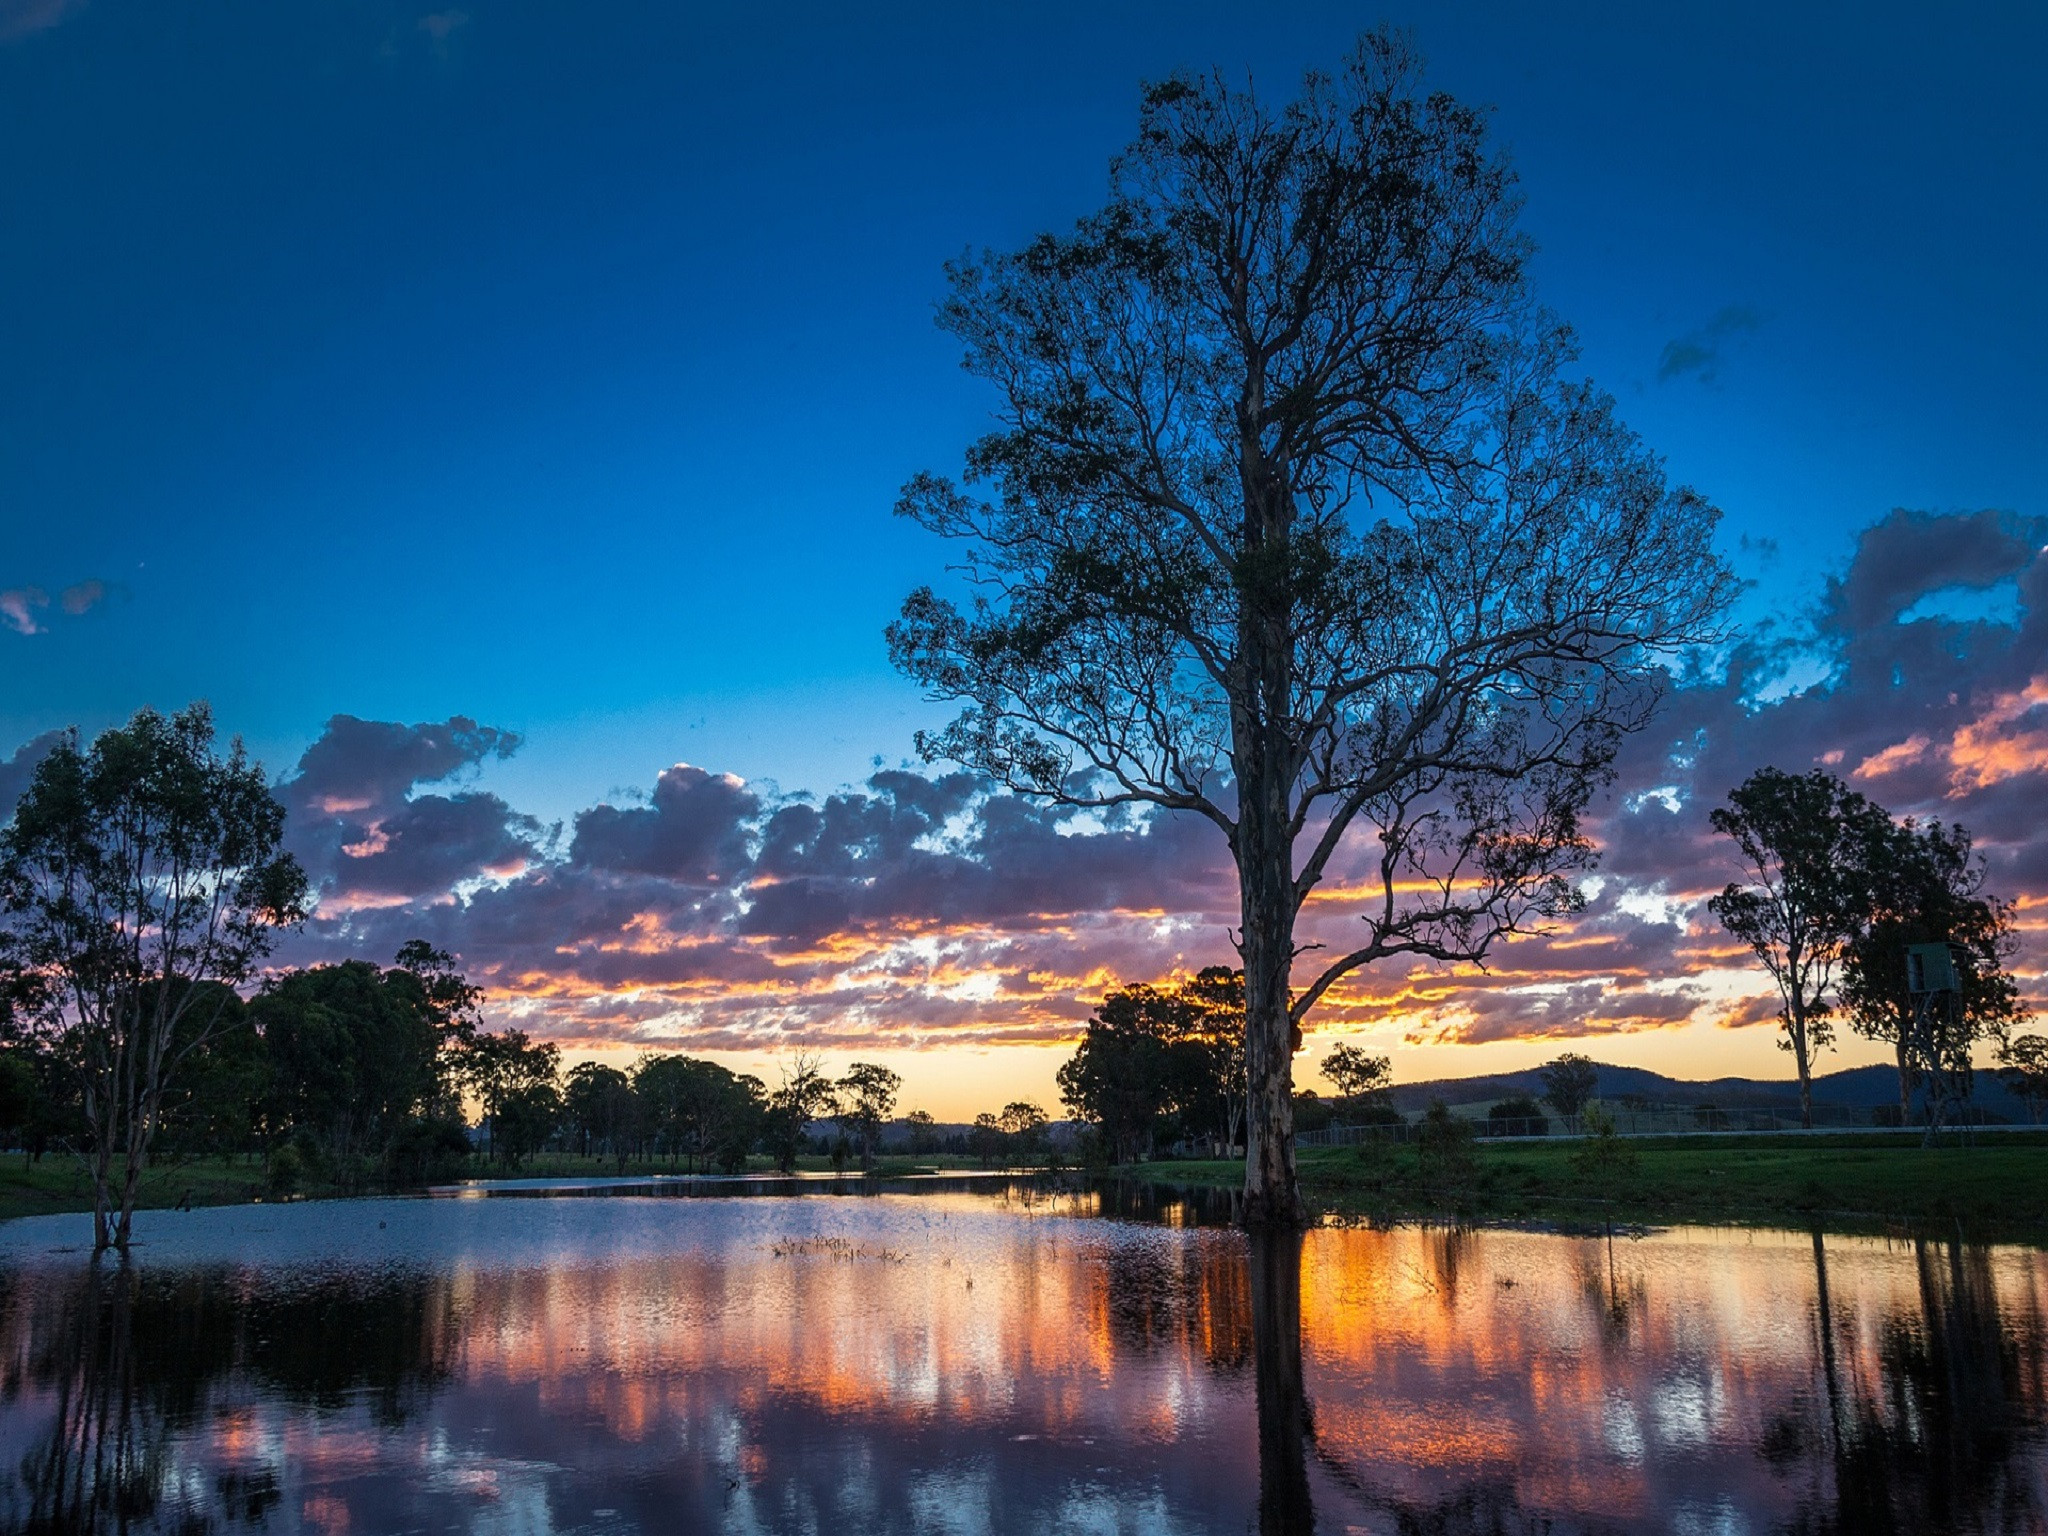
982, 1358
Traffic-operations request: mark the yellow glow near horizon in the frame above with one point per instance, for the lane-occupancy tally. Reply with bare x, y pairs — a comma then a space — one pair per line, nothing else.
957, 1084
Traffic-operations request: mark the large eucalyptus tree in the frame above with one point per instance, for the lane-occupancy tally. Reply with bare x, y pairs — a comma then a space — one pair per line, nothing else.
1293, 520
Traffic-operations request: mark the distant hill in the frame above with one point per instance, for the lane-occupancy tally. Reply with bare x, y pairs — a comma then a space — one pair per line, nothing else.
1851, 1088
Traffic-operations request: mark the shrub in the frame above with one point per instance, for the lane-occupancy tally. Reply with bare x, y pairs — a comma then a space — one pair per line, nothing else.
1445, 1147
1311, 1111
1603, 1154
1374, 1114
286, 1168
1519, 1115
427, 1152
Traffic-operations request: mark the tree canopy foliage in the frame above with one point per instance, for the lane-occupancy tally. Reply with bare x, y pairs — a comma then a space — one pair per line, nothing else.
1837, 893
141, 881
1925, 885
1805, 842
1159, 1064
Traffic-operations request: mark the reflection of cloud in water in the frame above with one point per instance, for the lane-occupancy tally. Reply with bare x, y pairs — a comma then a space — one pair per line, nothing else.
951, 1364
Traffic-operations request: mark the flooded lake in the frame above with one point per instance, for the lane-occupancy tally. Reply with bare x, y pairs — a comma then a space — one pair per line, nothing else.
982, 1358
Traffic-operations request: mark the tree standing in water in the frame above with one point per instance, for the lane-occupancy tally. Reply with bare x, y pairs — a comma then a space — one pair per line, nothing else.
141, 882
1295, 522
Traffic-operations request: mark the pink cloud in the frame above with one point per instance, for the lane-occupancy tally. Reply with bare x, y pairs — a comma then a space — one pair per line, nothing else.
18, 607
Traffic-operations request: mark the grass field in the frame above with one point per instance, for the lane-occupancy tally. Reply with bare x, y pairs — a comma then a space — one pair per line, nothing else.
1997, 1187
60, 1183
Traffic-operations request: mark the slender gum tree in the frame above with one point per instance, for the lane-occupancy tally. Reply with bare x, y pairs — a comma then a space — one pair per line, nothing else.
141, 881
1805, 842
1292, 521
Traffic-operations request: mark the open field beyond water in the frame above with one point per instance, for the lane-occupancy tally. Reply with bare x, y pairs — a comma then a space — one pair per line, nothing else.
1997, 1187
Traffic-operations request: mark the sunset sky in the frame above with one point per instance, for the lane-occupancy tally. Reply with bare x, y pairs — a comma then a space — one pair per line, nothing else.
496, 412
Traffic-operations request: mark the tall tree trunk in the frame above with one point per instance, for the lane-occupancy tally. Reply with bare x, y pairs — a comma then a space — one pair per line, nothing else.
1905, 1076
1272, 1196
1263, 760
1802, 1057
141, 1125
99, 1125
102, 1196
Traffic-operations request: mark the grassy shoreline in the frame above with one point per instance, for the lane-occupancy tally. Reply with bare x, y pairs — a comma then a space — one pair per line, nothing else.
1998, 1187
60, 1186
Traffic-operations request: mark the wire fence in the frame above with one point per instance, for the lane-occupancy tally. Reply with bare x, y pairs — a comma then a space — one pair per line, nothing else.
1635, 1120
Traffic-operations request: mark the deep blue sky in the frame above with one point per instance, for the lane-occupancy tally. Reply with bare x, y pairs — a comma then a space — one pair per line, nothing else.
556, 365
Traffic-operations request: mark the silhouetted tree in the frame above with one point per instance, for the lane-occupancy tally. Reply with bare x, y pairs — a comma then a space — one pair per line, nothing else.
352, 1058
804, 1094
601, 1109
1023, 1125
496, 1068
2024, 1066
866, 1098
1925, 886
1518, 1115
1161, 1060
924, 1132
1805, 841
524, 1120
1358, 1076
1298, 524
133, 876
699, 1109
1569, 1083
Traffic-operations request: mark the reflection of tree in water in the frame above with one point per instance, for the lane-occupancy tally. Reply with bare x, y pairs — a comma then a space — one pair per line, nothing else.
126, 1358
1181, 1295
1942, 1440
1614, 1290
1287, 1425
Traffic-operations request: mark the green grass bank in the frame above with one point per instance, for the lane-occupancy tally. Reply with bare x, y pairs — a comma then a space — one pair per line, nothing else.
60, 1184
1996, 1187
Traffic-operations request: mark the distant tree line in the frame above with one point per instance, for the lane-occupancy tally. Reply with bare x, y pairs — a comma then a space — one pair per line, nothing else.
143, 882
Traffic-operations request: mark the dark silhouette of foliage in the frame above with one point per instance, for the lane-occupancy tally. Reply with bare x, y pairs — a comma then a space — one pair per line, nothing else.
141, 881
924, 1133
1517, 1116
1161, 1062
2024, 1066
1444, 1147
699, 1110
1925, 886
353, 1057
1569, 1083
503, 1067
1296, 522
1805, 842
601, 1110
865, 1099
1360, 1077
805, 1094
